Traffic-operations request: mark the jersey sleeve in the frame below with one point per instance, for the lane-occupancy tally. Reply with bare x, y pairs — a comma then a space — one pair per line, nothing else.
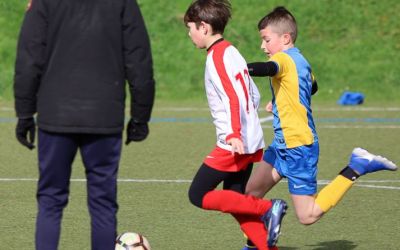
225, 73
254, 93
280, 60
262, 68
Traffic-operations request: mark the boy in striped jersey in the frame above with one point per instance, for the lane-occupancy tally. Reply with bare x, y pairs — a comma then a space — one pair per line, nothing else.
233, 100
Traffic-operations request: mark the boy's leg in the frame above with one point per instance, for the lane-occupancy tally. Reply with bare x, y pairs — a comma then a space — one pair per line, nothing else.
254, 229
101, 155
361, 162
205, 180
228, 201
56, 154
273, 220
307, 211
237, 181
251, 225
310, 209
262, 179
202, 194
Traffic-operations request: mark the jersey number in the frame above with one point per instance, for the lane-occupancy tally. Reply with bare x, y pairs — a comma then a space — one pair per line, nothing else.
240, 78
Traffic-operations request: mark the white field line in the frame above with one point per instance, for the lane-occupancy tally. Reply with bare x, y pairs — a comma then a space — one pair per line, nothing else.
270, 118
7, 109
351, 126
365, 109
359, 183
191, 109
266, 119
377, 187
320, 182
171, 109
84, 180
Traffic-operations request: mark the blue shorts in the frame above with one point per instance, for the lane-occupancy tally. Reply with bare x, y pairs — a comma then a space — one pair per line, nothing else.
298, 165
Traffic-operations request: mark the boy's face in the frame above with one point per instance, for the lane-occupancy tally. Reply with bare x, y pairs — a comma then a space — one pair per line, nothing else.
272, 42
197, 34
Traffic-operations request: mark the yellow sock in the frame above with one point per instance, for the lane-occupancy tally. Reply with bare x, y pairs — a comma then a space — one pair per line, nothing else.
330, 195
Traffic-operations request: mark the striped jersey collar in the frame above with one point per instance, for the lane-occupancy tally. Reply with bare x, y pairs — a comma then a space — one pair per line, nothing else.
214, 43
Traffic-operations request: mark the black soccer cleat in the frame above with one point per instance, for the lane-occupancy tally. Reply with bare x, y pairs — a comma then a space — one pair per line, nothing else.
272, 220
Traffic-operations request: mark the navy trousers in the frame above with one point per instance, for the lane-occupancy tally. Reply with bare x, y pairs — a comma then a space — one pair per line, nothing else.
100, 155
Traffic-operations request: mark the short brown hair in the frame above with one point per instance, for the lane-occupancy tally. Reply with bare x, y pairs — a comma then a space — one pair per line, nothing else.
214, 12
282, 19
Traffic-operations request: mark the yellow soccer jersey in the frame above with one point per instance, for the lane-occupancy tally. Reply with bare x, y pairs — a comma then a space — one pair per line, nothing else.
291, 98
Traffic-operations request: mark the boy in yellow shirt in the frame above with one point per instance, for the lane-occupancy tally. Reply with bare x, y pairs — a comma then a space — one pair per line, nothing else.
294, 151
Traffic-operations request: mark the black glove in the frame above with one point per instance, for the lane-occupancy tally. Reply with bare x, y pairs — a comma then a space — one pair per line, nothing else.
25, 132
136, 131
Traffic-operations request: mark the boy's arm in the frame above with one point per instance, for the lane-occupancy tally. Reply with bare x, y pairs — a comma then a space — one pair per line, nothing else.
237, 145
269, 68
314, 87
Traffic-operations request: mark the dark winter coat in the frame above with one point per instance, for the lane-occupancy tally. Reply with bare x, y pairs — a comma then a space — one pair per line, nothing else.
73, 59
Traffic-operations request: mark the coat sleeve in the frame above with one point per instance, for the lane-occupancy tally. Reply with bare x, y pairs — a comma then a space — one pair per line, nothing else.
138, 62
30, 59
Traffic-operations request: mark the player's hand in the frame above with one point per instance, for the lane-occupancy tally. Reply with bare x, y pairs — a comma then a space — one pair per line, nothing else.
136, 131
237, 145
25, 132
268, 107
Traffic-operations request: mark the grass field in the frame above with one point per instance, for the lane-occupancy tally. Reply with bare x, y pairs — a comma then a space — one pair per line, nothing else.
155, 175
351, 45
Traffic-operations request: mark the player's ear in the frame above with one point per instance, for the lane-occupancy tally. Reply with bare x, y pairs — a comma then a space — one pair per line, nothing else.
205, 27
287, 39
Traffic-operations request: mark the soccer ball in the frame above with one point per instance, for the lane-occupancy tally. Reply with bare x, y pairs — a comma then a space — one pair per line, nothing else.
131, 241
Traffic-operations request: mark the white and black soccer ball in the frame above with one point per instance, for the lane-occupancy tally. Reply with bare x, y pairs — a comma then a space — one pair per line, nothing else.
131, 241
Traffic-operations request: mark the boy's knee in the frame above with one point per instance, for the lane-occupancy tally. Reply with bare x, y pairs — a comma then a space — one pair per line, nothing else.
307, 220
255, 192
195, 198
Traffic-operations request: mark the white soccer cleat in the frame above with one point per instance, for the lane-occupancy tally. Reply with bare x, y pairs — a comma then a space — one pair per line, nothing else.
364, 162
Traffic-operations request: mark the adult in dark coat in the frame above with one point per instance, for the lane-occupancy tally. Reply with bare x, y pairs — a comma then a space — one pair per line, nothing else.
73, 60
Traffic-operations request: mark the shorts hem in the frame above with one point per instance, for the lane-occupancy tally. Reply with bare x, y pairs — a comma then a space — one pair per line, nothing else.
302, 193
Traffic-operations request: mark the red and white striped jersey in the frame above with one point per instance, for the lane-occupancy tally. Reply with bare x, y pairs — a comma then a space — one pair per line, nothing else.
233, 98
